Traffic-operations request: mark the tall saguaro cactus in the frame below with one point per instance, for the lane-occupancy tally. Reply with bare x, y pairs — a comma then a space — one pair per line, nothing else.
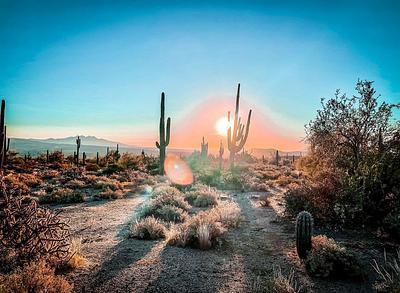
2, 134
204, 149
237, 136
78, 146
221, 153
164, 134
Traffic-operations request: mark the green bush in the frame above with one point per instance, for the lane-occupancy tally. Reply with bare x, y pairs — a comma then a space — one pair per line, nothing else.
329, 259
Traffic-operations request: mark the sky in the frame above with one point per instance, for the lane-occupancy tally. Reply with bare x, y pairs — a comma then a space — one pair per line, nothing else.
99, 67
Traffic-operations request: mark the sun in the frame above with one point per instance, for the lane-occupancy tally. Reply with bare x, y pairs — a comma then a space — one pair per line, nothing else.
222, 125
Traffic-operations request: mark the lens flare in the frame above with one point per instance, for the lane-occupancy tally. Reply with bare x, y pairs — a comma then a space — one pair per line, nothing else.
177, 170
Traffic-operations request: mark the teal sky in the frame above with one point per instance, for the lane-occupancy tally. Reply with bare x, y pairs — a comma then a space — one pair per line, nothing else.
98, 67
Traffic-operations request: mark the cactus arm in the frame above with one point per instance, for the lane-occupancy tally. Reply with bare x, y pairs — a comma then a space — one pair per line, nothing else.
157, 144
8, 144
243, 141
168, 131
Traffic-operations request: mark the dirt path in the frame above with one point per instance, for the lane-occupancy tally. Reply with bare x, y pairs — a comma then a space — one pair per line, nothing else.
119, 264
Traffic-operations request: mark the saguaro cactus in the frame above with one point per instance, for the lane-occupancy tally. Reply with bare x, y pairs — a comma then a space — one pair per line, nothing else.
277, 158
83, 159
116, 154
6, 146
204, 149
78, 146
47, 156
164, 134
304, 231
221, 153
2, 134
97, 158
237, 136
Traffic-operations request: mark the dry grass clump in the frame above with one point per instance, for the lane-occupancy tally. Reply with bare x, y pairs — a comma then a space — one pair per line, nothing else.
22, 182
203, 230
228, 213
148, 228
264, 200
389, 274
75, 184
167, 213
106, 183
108, 193
200, 231
76, 259
280, 283
34, 277
62, 195
329, 259
172, 200
202, 196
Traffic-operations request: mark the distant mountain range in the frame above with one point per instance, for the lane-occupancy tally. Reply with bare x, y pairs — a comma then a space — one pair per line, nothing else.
87, 140
91, 145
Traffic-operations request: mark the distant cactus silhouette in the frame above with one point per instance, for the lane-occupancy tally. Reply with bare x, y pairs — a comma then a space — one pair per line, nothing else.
304, 231
47, 156
3, 135
78, 146
277, 158
116, 154
6, 146
83, 159
221, 153
97, 158
164, 134
204, 149
237, 136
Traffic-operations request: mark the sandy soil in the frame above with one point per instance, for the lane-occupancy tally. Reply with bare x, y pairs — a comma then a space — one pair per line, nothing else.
119, 264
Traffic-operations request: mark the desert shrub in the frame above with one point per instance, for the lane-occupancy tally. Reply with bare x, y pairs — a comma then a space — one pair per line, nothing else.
62, 195
29, 232
210, 177
228, 213
318, 197
105, 183
75, 184
148, 228
22, 182
200, 231
280, 283
112, 168
204, 229
202, 196
232, 179
388, 274
92, 167
357, 139
329, 259
108, 193
34, 277
169, 196
167, 213
131, 161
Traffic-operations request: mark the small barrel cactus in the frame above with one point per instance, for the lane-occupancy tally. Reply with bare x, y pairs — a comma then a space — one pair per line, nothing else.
304, 231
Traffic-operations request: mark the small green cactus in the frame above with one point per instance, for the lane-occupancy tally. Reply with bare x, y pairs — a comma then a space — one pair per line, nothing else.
304, 231
204, 149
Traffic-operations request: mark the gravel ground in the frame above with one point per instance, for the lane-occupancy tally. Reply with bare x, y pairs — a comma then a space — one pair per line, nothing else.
119, 264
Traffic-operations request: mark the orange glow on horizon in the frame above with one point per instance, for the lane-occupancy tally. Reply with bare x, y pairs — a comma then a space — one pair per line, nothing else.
210, 120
